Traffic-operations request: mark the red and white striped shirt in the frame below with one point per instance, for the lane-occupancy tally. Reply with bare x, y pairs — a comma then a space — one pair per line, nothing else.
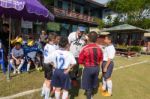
91, 55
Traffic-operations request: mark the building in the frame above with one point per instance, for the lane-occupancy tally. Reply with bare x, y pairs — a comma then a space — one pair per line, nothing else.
126, 34
69, 14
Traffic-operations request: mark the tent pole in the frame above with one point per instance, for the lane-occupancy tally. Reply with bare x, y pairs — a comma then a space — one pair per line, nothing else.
8, 67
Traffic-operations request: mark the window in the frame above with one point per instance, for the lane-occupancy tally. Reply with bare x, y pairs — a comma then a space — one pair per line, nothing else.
60, 4
77, 8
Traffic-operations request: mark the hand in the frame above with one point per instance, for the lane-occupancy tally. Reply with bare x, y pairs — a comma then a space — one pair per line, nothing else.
17, 37
67, 71
17, 61
105, 69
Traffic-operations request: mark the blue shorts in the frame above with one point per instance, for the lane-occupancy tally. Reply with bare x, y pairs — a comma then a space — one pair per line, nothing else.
107, 74
61, 80
90, 78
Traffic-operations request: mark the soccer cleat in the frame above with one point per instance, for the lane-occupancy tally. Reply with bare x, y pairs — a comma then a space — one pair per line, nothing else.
14, 72
19, 72
101, 89
106, 94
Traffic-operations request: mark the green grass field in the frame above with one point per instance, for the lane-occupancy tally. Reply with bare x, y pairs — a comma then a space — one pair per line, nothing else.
128, 83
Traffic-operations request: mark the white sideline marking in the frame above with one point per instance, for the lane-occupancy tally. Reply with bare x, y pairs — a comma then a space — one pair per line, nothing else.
36, 90
126, 66
21, 94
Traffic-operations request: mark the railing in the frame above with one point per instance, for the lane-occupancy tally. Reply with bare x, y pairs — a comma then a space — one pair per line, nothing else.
74, 15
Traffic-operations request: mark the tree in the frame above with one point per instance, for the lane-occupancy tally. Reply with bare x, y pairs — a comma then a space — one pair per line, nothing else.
116, 21
99, 22
47, 2
135, 10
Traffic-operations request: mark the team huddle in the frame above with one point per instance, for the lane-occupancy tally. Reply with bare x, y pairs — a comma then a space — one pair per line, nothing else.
65, 58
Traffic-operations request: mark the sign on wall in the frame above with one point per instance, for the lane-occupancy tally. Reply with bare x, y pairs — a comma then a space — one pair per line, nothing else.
26, 24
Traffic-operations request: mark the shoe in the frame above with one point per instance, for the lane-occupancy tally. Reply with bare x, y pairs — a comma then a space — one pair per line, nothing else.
101, 89
42, 95
106, 94
19, 72
14, 72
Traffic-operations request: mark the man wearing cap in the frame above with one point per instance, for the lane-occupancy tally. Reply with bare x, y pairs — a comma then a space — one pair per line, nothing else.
77, 41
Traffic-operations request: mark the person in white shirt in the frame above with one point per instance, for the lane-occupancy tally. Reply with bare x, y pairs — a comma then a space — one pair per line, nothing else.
76, 41
107, 66
63, 61
48, 68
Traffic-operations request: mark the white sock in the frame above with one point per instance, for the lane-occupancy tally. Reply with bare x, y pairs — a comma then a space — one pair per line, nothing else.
20, 66
57, 95
104, 84
47, 92
28, 67
43, 89
65, 95
13, 66
109, 86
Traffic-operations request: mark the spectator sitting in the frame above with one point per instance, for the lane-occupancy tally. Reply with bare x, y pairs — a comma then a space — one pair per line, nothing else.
32, 55
17, 57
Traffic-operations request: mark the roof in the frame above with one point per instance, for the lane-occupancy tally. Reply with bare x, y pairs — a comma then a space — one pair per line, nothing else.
125, 28
95, 2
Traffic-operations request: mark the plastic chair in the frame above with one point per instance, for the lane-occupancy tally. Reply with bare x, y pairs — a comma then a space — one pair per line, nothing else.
2, 62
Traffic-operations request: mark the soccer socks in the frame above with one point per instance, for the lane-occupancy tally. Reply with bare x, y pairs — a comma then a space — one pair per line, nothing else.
28, 67
47, 93
109, 86
57, 94
43, 90
104, 84
20, 66
89, 94
65, 95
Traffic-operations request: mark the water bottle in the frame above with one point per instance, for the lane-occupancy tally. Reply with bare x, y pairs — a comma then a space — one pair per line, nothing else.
0, 44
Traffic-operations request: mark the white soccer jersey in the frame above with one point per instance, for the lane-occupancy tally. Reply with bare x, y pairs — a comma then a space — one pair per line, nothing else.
109, 53
75, 44
48, 49
62, 59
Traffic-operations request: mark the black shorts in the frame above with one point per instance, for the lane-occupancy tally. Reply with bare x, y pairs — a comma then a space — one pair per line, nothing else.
48, 71
107, 74
90, 78
74, 73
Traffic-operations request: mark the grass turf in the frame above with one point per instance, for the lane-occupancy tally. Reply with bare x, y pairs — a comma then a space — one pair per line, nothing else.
128, 83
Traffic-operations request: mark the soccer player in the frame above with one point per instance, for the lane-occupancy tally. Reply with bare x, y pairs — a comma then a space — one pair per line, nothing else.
48, 68
77, 41
107, 66
91, 57
63, 61
17, 57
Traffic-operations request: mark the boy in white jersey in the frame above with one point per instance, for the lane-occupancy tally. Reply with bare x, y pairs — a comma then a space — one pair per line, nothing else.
107, 66
62, 61
48, 68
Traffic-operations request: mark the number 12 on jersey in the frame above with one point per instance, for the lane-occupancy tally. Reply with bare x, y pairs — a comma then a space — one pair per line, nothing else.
60, 62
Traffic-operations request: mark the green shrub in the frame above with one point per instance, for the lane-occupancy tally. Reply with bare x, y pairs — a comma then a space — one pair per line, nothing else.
135, 48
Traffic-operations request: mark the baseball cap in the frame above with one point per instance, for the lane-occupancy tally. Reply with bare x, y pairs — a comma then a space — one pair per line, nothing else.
82, 29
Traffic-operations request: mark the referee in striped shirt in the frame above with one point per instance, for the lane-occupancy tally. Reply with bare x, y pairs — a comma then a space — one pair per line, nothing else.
90, 57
